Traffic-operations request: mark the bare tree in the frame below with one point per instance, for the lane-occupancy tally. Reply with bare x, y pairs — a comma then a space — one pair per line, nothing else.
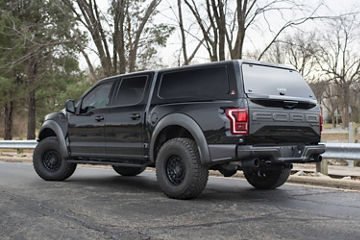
211, 26
224, 24
300, 51
126, 30
331, 101
275, 54
340, 61
187, 58
319, 88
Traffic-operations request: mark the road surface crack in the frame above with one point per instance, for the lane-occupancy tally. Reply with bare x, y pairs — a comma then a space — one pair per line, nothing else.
45, 210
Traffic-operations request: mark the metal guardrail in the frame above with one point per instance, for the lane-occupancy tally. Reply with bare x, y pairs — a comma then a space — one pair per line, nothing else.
18, 144
347, 151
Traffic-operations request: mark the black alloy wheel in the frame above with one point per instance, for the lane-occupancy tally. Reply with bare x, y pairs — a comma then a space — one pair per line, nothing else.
49, 163
179, 170
175, 170
51, 160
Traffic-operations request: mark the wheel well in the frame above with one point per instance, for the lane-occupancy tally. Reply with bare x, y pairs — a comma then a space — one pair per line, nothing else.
47, 132
169, 132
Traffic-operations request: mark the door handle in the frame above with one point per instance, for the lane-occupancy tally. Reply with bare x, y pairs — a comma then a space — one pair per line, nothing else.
99, 118
135, 116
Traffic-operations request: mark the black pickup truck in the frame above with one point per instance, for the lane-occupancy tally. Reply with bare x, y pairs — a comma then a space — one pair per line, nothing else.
226, 116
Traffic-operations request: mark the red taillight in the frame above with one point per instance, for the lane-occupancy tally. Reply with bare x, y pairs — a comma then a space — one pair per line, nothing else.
321, 120
238, 120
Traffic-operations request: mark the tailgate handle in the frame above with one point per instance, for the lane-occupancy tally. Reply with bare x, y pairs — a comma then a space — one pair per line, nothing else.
290, 104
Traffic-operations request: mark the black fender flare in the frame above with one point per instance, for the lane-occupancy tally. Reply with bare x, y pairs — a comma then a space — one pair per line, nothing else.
55, 127
190, 125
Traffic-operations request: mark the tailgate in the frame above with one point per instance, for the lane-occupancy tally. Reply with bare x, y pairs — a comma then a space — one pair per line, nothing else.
283, 125
282, 106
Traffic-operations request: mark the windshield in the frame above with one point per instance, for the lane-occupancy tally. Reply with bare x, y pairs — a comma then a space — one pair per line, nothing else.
267, 80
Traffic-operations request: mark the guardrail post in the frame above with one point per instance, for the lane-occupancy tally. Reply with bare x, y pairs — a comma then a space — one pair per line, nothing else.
318, 166
351, 140
322, 167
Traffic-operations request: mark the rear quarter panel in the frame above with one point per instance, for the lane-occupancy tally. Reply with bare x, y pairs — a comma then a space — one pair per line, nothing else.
209, 115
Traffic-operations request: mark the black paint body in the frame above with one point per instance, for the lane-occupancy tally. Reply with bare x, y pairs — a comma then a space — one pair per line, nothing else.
128, 134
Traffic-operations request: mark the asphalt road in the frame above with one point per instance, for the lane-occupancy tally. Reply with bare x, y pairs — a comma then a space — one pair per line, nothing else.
96, 203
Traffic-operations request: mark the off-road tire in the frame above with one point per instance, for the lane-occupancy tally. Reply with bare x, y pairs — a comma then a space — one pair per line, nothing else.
128, 171
61, 170
195, 175
273, 178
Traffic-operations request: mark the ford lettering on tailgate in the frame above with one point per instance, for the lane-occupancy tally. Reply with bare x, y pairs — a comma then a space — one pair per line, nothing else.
284, 117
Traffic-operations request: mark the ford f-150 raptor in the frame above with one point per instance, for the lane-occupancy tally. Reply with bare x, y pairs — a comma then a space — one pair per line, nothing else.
227, 116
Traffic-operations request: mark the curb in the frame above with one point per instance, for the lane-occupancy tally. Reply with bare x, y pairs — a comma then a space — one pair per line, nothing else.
311, 181
325, 182
15, 159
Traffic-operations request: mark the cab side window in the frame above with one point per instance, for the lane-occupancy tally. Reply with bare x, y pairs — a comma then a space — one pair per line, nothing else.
130, 91
98, 98
204, 83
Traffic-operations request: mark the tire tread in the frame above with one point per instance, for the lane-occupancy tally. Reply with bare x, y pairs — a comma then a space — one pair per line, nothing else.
128, 171
67, 168
278, 178
200, 174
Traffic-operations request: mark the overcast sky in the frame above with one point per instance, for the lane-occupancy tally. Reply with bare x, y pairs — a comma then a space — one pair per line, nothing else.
257, 38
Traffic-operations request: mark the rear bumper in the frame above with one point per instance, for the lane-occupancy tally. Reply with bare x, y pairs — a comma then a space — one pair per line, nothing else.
282, 154
290, 154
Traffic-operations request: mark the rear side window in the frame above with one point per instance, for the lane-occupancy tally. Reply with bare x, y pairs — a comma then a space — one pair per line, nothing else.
267, 80
206, 82
130, 91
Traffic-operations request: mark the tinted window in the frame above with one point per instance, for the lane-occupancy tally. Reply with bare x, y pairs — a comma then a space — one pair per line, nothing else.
130, 91
209, 82
267, 80
97, 97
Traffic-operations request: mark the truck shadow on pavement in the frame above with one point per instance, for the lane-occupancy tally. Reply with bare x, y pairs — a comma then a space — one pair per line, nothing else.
216, 189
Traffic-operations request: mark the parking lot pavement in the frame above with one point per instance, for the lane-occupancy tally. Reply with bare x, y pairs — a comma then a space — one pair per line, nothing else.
96, 203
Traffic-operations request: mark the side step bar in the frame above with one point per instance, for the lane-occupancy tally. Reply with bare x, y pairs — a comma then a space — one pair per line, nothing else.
121, 164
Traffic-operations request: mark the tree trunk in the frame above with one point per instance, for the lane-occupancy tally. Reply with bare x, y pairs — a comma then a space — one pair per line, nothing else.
219, 15
221, 44
182, 32
346, 106
9, 107
31, 116
333, 120
32, 72
132, 59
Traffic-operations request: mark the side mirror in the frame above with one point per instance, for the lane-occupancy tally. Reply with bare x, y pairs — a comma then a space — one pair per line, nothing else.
70, 106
